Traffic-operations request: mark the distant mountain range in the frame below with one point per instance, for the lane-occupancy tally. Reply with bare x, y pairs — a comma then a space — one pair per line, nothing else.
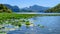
34, 8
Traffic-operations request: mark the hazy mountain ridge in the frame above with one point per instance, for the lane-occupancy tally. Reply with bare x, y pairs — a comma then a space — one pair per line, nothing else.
37, 8
34, 8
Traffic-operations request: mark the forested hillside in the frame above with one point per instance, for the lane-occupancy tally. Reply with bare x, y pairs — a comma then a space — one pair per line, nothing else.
55, 9
4, 9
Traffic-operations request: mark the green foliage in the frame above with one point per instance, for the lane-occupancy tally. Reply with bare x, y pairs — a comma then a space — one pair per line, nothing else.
55, 9
10, 18
27, 23
4, 9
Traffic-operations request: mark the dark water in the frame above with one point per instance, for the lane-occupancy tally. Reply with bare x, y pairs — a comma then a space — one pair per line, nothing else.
51, 26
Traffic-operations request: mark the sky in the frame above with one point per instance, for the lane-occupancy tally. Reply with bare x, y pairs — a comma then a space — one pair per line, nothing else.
27, 3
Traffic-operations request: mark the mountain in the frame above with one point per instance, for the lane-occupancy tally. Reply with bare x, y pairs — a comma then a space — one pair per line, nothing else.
3, 8
36, 8
55, 9
13, 8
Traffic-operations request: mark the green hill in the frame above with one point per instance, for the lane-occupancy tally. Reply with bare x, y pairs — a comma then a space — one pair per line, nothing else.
4, 9
55, 9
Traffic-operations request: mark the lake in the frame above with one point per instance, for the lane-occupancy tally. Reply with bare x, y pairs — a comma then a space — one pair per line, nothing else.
51, 26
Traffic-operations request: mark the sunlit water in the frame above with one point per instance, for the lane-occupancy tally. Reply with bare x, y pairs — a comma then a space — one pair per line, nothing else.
51, 26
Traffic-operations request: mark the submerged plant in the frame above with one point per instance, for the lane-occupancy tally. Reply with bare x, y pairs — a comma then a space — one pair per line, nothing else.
41, 26
27, 23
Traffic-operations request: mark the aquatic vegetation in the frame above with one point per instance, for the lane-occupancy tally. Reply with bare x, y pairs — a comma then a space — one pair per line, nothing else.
2, 33
14, 19
19, 20
27, 23
41, 26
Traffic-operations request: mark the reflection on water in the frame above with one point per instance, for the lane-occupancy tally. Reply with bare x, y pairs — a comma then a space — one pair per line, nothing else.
51, 26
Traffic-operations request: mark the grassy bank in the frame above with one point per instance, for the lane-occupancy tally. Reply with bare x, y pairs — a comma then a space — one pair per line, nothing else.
17, 16
2, 33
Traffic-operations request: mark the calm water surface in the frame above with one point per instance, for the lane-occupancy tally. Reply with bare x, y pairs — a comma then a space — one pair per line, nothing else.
51, 26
